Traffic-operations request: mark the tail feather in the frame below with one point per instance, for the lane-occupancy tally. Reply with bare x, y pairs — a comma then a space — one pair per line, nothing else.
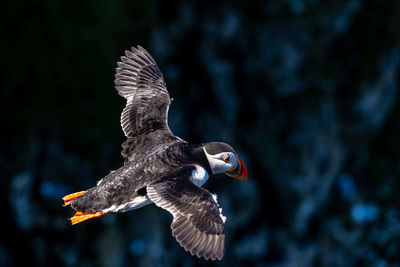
79, 215
82, 216
68, 198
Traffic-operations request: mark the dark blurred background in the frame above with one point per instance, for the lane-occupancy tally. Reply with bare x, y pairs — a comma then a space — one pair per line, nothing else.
305, 90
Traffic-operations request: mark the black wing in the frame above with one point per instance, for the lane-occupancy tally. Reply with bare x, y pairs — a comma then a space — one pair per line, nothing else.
198, 224
144, 119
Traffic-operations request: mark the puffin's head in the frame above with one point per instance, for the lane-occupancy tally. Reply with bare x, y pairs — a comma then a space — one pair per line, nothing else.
223, 159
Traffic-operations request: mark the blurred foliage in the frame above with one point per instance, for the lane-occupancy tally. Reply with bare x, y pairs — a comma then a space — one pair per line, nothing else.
305, 90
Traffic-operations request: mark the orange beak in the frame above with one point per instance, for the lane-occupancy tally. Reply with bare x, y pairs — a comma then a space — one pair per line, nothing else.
238, 172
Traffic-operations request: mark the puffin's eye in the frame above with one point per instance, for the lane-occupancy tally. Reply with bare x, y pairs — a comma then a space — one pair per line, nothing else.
227, 159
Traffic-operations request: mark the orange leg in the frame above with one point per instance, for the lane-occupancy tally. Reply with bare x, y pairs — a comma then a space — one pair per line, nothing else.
68, 198
81, 216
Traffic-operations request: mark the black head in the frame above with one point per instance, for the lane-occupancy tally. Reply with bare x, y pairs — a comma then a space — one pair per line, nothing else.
214, 148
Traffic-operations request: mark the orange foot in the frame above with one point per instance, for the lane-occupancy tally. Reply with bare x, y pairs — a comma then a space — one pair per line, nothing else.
68, 198
81, 216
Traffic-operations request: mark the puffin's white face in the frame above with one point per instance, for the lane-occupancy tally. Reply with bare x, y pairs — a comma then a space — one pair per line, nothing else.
222, 162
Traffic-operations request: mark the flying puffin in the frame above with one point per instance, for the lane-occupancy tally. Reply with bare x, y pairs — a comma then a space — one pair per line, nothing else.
159, 167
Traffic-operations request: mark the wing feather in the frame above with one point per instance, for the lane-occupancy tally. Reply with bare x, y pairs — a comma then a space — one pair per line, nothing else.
197, 222
140, 81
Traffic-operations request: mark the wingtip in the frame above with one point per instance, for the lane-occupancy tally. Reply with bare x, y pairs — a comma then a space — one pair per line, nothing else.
134, 49
140, 48
143, 52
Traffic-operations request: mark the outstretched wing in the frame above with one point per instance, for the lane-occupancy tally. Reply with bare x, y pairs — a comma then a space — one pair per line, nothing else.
197, 224
140, 81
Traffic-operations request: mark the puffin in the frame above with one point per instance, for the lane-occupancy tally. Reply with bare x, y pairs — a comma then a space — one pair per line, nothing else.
160, 167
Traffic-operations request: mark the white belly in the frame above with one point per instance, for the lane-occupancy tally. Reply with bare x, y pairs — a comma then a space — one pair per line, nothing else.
136, 203
199, 176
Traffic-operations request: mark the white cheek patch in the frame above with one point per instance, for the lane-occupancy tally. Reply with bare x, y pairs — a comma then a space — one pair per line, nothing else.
217, 163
